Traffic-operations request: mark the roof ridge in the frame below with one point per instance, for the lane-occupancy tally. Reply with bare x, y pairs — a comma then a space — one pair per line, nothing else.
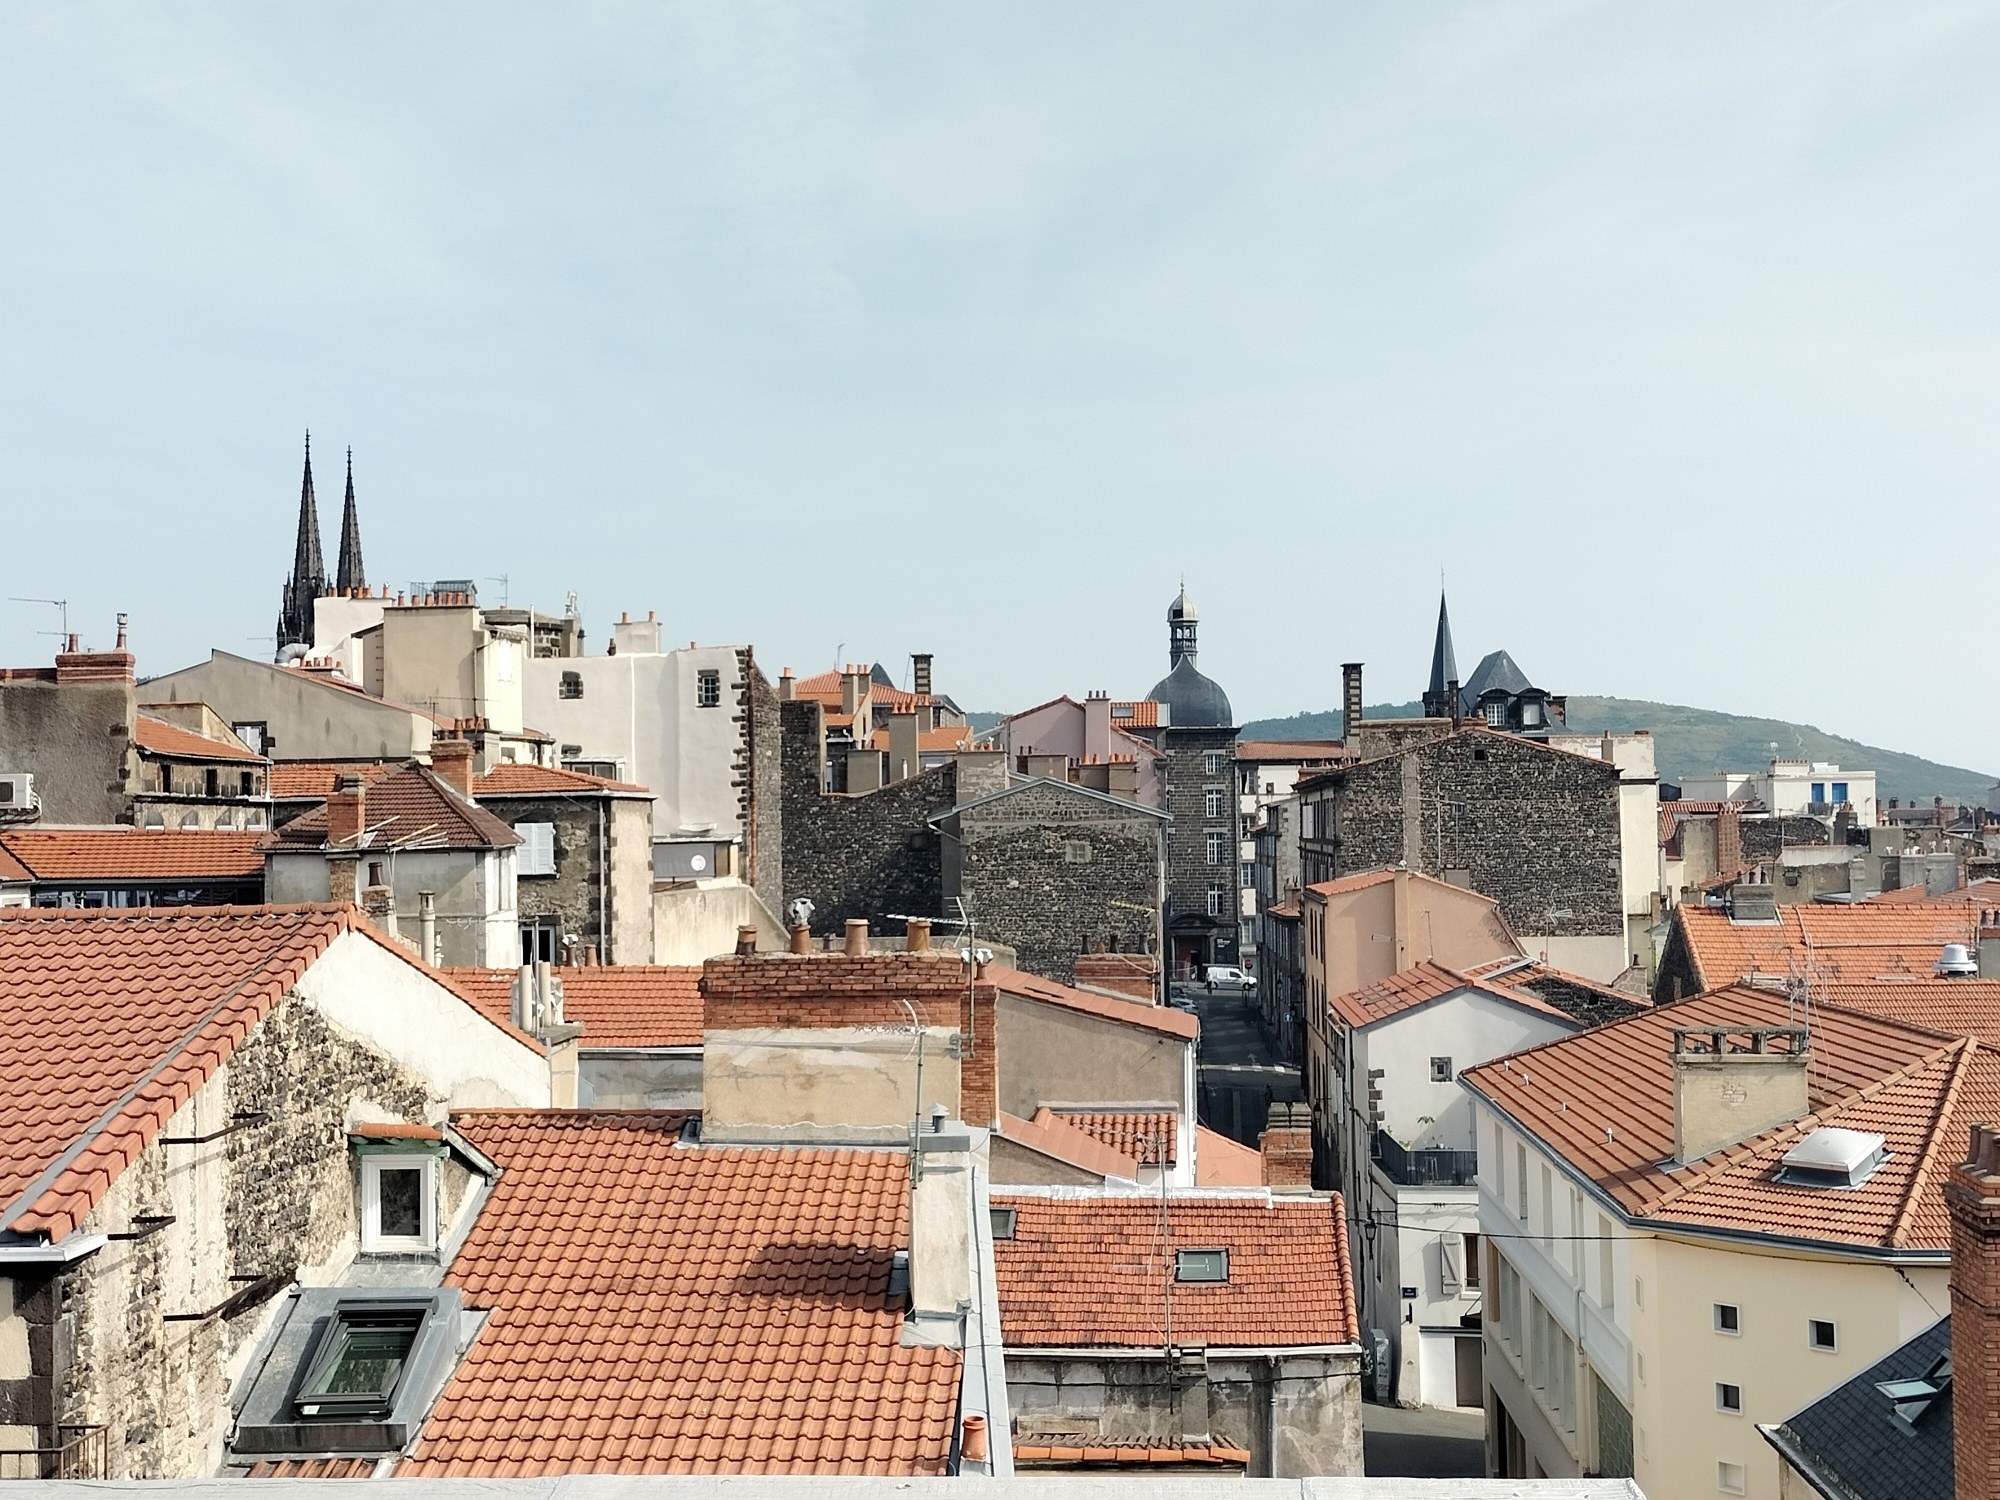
1947, 1103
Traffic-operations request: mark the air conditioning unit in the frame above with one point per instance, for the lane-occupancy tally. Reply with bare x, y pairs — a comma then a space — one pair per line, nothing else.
17, 795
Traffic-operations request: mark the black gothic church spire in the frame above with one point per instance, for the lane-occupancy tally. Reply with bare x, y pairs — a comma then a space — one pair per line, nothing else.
308, 580
351, 577
1439, 696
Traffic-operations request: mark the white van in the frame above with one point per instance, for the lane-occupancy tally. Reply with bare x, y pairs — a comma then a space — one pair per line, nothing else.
1227, 977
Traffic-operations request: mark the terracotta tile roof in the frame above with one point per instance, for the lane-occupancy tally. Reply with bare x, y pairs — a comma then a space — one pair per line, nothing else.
1956, 1007
1053, 1136
314, 1468
111, 1020
1530, 985
1124, 1130
510, 780
1369, 878
1127, 1453
1841, 942
411, 807
1161, 1018
1145, 714
1603, 1101
137, 853
1286, 909
158, 737
11, 869
659, 1308
1978, 893
618, 1005
825, 687
933, 741
1221, 1162
395, 1131
298, 780
1087, 1269
1669, 824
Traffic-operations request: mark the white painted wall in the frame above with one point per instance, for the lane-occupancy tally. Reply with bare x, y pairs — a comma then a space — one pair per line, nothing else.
640, 709
373, 993
1602, 958
1468, 1027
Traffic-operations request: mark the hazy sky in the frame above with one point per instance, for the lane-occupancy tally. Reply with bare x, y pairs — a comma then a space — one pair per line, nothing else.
1669, 331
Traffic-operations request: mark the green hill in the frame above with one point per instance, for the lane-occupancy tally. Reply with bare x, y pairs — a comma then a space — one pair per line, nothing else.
1689, 741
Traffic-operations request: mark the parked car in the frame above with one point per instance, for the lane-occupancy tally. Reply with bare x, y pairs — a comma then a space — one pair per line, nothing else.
1227, 977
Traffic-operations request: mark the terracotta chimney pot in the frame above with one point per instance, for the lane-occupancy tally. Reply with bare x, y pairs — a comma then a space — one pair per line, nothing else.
746, 941
918, 939
857, 937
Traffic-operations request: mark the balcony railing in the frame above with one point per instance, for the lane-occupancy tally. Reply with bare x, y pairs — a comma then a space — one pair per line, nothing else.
1432, 1166
83, 1454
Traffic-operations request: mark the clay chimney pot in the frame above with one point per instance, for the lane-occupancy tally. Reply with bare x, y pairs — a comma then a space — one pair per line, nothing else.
857, 937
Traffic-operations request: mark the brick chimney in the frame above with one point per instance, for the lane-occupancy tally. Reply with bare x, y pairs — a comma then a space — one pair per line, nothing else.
1097, 726
1733, 1082
1350, 698
1972, 1196
346, 811
1287, 1146
920, 673
94, 666
1728, 841
451, 758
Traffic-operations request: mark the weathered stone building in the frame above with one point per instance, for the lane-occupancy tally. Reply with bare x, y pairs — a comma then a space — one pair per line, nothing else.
1539, 829
66, 738
210, 1145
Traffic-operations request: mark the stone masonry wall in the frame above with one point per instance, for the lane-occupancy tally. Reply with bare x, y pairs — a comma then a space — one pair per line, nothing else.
1537, 829
1190, 875
865, 855
760, 783
265, 1200
569, 895
76, 740
1050, 870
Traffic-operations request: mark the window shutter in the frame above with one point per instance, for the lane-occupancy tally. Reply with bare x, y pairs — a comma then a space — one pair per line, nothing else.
538, 848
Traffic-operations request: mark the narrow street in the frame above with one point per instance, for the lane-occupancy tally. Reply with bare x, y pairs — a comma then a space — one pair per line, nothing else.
1240, 1076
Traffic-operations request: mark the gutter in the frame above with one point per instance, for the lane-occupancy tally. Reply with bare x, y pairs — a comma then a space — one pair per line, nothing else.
1780, 1437
64, 1252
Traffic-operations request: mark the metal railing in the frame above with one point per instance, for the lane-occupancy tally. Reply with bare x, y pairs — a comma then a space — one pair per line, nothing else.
83, 1452
1430, 1167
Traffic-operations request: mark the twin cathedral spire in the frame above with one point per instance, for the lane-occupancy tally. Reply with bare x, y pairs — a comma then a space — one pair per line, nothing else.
308, 578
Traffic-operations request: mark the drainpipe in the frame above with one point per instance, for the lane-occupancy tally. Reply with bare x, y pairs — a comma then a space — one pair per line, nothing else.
604, 882
427, 927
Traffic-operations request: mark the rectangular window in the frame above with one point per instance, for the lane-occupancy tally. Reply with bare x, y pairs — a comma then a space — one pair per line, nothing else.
1839, 792
1729, 1398
1822, 1335
1548, 1211
398, 1202
1218, 848
1212, 802
249, 784
1472, 1253
1249, 875
1215, 897
359, 1361
1731, 1479
1819, 791
1004, 1220
708, 690
211, 782
541, 940
1217, 762
1728, 1318
1510, 1305
1201, 1265
254, 733
1076, 852
538, 848
1441, 1070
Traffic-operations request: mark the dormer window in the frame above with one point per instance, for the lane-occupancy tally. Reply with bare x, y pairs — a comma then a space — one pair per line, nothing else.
398, 1202
363, 1351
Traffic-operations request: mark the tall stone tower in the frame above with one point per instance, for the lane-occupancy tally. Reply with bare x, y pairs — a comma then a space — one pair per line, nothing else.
350, 577
308, 578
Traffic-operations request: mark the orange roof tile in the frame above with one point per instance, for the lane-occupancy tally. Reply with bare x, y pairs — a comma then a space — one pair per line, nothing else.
1053, 1136
1840, 942
137, 853
1127, 1453
110, 1020
932, 741
158, 737
1089, 1269
1978, 893
1290, 750
1956, 1007
296, 780
1427, 981
1137, 1134
11, 869
1369, 878
410, 807
660, 1309
618, 1005
1159, 1018
1603, 1101
1221, 1162
395, 1131
314, 1468
510, 780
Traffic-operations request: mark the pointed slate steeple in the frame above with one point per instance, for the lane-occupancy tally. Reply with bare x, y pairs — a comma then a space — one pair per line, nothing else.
308, 579
351, 577
1444, 670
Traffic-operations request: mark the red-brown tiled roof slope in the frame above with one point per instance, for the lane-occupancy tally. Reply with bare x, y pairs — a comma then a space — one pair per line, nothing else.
162, 738
1222, 1162
111, 1020
1160, 1018
1603, 1100
618, 1005
1090, 1269
1956, 1007
410, 807
1051, 1135
137, 853
662, 1309
1840, 942
510, 780
1979, 893
296, 780
1137, 1134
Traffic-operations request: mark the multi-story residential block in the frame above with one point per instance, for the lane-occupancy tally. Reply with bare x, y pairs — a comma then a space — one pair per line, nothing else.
1097, 743
1404, 1155
1787, 788
67, 738
1267, 771
196, 773
1701, 1218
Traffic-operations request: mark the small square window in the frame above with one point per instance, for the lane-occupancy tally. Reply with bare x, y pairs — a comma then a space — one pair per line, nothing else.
1728, 1318
1728, 1397
1822, 1335
1731, 1478
1201, 1265
1004, 1220
708, 690
570, 686
1441, 1070
1076, 852
398, 1202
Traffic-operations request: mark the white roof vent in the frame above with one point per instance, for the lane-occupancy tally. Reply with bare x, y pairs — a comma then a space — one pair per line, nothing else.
1833, 1158
1957, 962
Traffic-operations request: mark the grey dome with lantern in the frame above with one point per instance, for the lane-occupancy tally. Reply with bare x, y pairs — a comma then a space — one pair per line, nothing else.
1192, 700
